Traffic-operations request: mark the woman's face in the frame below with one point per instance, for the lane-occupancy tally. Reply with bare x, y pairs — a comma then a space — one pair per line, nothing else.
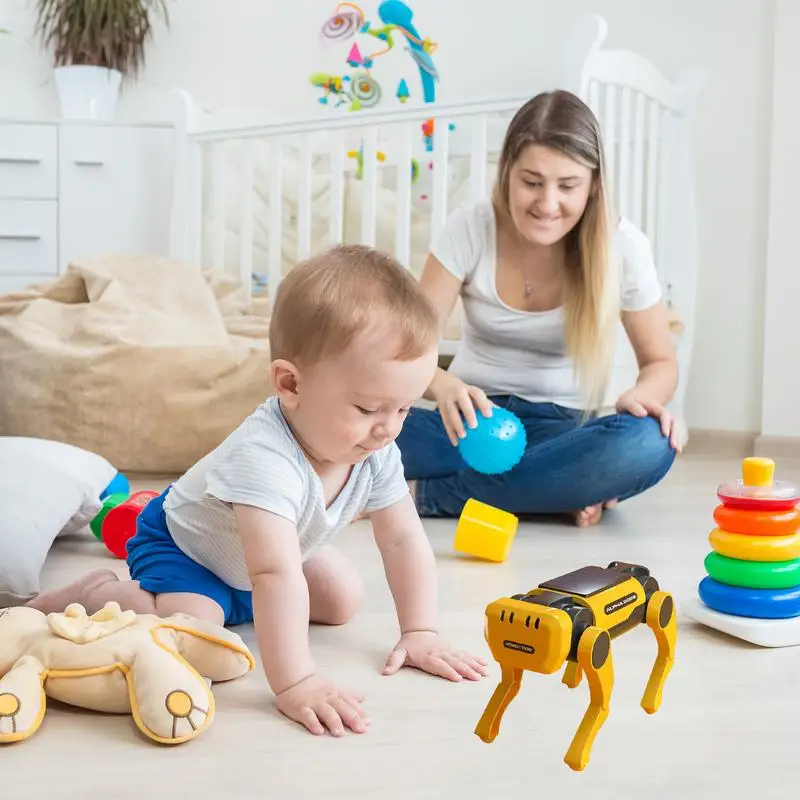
547, 194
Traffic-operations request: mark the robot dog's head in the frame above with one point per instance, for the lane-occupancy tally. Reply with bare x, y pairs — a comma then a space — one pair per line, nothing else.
528, 635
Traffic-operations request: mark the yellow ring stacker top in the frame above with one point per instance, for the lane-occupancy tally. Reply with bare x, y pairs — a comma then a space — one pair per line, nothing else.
755, 547
573, 619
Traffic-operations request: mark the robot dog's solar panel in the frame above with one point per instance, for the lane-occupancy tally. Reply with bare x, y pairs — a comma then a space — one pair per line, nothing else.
586, 581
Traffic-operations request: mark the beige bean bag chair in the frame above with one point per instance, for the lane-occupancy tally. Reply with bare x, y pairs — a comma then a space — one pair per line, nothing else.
146, 361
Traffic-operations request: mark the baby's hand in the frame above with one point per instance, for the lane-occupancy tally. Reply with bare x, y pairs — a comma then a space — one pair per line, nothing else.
426, 651
318, 704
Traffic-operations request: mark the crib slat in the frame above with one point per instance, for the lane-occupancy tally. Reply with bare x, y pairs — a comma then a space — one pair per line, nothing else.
663, 197
625, 131
441, 152
653, 156
246, 217
638, 160
195, 216
610, 115
477, 158
594, 98
337, 162
217, 207
369, 186
275, 225
405, 151
304, 198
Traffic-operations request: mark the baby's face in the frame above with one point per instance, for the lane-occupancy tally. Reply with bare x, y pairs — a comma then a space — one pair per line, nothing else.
355, 404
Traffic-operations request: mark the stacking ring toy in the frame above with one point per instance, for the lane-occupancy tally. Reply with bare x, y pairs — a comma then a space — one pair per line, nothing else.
755, 548
753, 574
757, 523
742, 602
757, 491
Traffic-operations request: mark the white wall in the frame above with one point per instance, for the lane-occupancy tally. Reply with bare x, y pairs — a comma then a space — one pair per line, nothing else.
247, 52
780, 414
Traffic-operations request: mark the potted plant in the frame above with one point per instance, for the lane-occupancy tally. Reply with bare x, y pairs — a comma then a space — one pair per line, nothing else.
95, 45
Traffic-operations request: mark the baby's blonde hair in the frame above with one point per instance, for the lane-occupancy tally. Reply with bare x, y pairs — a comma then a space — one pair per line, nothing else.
562, 121
327, 300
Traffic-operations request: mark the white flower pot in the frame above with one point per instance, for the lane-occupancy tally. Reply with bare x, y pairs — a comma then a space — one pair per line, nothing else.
87, 92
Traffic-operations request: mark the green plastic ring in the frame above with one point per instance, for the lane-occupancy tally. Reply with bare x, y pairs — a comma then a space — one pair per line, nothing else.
753, 574
109, 502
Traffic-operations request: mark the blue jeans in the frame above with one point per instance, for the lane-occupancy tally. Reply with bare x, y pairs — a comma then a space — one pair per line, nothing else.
566, 466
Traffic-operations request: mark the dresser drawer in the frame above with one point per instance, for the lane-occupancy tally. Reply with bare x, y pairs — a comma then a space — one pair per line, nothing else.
115, 190
28, 237
28, 161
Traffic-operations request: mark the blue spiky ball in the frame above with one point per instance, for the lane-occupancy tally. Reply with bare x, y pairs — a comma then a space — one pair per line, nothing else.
496, 445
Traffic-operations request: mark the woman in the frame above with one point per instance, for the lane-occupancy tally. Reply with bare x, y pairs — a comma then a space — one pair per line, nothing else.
544, 281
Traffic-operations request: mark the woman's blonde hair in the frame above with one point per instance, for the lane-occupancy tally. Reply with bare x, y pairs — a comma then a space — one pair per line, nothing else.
562, 121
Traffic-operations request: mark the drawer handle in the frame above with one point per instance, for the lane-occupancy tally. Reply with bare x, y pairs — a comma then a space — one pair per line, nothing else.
80, 162
21, 237
12, 160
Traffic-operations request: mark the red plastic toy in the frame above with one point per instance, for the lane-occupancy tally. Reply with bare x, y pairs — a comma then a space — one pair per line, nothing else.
119, 524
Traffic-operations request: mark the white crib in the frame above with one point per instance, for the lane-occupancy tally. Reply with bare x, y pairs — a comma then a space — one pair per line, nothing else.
255, 193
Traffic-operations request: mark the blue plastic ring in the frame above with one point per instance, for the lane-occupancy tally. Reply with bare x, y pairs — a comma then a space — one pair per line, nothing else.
744, 602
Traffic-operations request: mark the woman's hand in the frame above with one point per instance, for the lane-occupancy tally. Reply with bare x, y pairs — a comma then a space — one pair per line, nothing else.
454, 398
640, 406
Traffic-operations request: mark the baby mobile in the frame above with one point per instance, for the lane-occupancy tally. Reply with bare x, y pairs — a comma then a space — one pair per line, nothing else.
360, 89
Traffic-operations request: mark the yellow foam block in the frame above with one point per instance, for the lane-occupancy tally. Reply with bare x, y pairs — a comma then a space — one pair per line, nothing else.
485, 531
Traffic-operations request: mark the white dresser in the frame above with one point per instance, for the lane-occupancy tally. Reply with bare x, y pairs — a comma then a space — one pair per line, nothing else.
75, 190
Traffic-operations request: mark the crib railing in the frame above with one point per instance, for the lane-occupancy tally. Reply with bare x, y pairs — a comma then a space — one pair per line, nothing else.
387, 149
289, 170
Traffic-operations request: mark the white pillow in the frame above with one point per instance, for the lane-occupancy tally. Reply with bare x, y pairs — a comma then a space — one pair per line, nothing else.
47, 488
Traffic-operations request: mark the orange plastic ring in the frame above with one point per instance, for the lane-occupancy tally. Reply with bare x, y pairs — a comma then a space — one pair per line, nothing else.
755, 548
757, 523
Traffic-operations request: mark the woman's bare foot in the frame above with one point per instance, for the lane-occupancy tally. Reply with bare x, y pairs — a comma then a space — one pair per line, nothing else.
57, 600
591, 514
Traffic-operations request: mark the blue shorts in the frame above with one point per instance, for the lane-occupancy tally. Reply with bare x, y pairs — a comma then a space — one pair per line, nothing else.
161, 567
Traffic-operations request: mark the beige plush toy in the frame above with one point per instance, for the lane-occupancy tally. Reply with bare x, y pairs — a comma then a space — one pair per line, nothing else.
118, 662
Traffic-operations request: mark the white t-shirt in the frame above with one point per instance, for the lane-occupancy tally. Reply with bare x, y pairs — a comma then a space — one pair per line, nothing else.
261, 464
507, 351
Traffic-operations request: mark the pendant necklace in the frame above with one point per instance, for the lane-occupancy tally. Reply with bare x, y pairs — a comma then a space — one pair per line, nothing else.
527, 287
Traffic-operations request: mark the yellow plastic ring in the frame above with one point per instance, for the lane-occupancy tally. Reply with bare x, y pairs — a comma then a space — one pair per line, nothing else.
755, 548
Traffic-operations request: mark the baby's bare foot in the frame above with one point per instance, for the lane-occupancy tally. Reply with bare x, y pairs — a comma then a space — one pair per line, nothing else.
57, 600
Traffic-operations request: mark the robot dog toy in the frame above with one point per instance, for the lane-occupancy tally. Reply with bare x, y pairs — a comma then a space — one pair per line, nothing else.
573, 619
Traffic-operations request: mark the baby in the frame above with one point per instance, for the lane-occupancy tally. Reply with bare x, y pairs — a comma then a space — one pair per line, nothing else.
245, 535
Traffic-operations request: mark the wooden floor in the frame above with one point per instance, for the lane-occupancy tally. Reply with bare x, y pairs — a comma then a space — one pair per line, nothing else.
728, 726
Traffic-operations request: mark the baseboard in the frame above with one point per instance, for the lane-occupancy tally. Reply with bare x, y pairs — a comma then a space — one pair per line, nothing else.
778, 447
721, 444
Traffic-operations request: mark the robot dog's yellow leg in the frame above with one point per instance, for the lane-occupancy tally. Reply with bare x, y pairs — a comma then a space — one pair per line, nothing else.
594, 658
489, 724
662, 621
572, 675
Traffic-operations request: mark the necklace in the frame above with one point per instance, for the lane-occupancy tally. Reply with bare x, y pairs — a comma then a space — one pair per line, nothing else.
527, 288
